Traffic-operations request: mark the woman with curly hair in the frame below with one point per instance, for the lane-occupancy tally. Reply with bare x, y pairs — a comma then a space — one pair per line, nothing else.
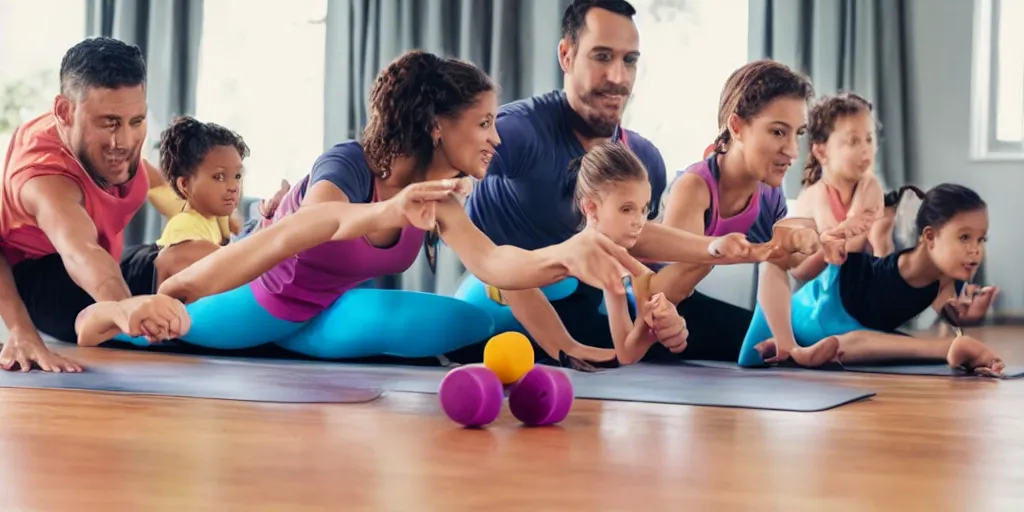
362, 212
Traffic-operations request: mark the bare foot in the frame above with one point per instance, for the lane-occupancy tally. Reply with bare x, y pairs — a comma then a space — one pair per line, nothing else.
822, 352
972, 355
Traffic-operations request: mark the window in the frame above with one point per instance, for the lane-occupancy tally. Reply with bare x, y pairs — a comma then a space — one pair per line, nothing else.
688, 49
30, 63
998, 82
261, 74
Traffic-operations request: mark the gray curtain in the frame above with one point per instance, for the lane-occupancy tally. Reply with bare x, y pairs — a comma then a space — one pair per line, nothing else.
514, 41
167, 32
845, 45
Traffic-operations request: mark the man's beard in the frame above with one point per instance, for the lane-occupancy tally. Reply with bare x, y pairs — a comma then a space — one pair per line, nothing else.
97, 178
593, 125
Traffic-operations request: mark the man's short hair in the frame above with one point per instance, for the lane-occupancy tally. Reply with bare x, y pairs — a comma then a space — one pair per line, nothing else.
101, 62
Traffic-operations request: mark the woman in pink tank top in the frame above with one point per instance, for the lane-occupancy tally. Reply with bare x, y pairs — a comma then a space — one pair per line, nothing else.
737, 190
839, 178
363, 212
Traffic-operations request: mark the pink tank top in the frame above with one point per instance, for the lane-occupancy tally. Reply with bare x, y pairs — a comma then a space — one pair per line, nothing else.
836, 203
301, 287
715, 224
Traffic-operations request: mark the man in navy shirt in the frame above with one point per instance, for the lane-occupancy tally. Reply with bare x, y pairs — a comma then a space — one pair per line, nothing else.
526, 199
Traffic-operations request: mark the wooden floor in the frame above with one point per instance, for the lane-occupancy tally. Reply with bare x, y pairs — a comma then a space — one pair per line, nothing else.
924, 443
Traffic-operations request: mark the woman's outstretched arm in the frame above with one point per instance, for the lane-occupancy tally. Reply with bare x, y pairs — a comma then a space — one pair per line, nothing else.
313, 224
589, 256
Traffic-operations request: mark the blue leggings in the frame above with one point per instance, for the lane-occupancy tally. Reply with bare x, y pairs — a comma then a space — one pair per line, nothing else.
817, 312
474, 291
232, 320
363, 322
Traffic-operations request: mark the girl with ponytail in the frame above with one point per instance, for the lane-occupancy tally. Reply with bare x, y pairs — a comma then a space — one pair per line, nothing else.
838, 178
852, 312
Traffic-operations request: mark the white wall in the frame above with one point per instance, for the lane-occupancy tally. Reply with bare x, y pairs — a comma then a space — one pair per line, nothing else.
940, 83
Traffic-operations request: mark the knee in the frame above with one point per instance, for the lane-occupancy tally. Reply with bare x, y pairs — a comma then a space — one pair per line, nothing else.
176, 258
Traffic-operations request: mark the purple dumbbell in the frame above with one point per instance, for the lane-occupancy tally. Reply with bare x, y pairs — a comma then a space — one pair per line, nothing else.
471, 395
543, 396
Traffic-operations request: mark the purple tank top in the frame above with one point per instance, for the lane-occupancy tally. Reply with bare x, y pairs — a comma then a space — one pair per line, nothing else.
300, 287
715, 224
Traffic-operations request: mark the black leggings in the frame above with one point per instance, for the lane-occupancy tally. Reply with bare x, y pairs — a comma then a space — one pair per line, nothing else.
716, 328
53, 300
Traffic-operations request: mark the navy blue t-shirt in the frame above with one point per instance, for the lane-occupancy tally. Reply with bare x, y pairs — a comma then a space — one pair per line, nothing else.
526, 199
344, 165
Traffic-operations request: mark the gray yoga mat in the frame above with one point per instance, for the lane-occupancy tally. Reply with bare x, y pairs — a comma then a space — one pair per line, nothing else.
208, 379
936, 370
667, 384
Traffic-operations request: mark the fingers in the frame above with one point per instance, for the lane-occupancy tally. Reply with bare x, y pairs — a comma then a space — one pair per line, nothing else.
6, 361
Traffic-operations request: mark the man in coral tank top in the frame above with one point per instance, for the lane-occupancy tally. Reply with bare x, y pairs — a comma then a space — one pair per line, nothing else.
70, 186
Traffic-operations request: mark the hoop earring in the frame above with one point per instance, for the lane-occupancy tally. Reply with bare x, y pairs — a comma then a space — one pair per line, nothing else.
385, 174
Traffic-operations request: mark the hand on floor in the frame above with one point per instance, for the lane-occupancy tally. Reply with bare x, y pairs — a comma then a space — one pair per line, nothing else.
24, 349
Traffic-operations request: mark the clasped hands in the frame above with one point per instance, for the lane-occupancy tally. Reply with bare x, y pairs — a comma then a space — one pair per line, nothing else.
794, 235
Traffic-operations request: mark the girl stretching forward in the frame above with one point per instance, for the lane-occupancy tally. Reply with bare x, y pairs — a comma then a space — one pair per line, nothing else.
858, 305
613, 195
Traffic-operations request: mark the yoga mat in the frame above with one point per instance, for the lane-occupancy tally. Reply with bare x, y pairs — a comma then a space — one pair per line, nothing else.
928, 369
667, 384
207, 379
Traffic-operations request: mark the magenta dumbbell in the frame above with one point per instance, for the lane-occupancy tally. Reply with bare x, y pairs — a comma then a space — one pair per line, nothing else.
471, 395
543, 396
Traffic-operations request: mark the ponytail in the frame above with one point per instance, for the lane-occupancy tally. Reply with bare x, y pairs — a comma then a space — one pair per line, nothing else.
893, 198
812, 171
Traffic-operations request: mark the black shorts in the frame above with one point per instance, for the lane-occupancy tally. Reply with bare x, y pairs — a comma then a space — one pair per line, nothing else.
54, 300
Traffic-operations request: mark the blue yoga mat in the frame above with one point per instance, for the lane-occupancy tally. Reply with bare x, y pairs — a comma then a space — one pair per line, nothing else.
928, 369
666, 384
207, 379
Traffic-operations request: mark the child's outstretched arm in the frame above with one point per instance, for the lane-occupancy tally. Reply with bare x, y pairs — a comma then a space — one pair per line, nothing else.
632, 339
532, 309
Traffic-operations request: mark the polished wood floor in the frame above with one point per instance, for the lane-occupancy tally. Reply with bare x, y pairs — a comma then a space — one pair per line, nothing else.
924, 443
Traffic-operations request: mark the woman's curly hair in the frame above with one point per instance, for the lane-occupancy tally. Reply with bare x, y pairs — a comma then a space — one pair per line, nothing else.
407, 98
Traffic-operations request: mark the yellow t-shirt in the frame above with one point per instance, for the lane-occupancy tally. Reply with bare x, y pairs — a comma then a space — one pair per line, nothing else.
189, 225
169, 205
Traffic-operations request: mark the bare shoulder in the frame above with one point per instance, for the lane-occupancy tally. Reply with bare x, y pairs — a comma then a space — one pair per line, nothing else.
870, 190
49, 189
807, 200
690, 189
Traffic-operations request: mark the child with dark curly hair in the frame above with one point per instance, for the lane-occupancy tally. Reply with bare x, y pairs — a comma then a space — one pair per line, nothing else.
202, 163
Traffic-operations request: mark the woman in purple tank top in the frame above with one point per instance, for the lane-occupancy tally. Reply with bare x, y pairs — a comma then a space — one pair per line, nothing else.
364, 212
737, 191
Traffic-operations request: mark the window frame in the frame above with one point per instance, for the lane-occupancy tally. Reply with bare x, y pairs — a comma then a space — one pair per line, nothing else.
984, 89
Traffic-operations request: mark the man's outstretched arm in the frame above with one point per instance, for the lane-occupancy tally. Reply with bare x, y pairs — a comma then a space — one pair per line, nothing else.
56, 204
